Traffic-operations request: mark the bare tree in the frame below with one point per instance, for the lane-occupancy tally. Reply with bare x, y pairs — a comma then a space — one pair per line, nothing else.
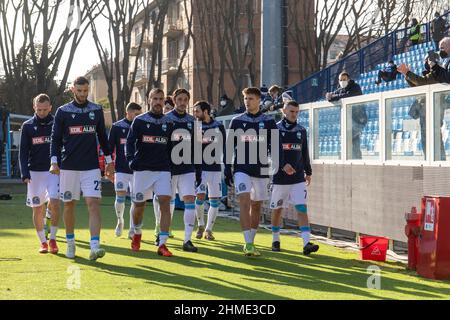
327, 20
187, 41
115, 55
239, 38
158, 21
30, 25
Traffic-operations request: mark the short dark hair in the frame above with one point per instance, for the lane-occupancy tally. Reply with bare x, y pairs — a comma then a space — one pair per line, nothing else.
155, 91
169, 101
180, 92
80, 81
252, 90
133, 106
344, 73
41, 98
275, 88
292, 103
204, 105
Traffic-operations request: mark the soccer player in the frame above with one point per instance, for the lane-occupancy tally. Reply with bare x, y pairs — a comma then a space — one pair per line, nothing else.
251, 173
77, 126
123, 176
168, 106
148, 154
289, 183
210, 176
183, 173
34, 155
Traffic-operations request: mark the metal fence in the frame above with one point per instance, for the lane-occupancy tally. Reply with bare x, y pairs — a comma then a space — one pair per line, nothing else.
366, 59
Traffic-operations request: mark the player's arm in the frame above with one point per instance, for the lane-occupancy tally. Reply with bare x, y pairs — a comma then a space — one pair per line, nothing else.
224, 144
273, 147
112, 139
231, 144
130, 146
305, 157
104, 144
56, 142
24, 153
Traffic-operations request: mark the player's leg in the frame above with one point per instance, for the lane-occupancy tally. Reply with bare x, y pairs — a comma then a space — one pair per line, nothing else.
142, 183
36, 196
255, 217
69, 223
200, 213
130, 186
259, 193
121, 185
54, 206
279, 200
299, 197
47, 220
157, 211
163, 188
214, 184
69, 186
38, 221
91, 187
186, 190
242, 184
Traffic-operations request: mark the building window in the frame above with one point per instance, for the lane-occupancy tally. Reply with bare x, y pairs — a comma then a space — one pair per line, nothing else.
327, 133
363, 131
406, 128
442, 126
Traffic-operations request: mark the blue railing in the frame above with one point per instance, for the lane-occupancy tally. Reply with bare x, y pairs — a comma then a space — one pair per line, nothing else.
314, 87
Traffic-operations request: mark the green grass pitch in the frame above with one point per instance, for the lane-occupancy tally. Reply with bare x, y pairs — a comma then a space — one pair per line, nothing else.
218, 271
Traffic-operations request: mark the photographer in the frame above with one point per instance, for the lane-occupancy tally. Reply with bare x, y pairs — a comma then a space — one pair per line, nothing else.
441, 74
426, 78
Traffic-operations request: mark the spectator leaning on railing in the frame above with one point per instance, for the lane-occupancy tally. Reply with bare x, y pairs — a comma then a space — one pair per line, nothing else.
347, 88
442, 74
426, 78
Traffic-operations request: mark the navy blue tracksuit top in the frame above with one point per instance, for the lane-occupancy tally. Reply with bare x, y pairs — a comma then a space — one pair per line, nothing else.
294, 143
148, 143
34, 150
184, 122
117, 141
251, 125
75, 133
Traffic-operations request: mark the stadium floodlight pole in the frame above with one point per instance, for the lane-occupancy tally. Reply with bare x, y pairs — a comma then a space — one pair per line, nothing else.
271, 42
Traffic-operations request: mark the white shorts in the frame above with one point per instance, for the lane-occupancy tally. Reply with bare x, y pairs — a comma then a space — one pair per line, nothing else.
147, 182
184, 184
42, 187
72, 182
213, 181
123, 181
258, 187
283, 195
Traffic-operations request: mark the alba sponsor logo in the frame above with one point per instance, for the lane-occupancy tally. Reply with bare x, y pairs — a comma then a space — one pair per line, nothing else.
123, 141
180, 137
81, 129
154, 139
292, 146
252, 138
41, 140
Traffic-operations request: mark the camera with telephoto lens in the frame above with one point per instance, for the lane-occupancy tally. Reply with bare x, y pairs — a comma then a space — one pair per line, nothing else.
433, 56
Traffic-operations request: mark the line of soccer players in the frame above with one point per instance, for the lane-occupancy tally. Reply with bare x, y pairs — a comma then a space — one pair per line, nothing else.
144, 145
